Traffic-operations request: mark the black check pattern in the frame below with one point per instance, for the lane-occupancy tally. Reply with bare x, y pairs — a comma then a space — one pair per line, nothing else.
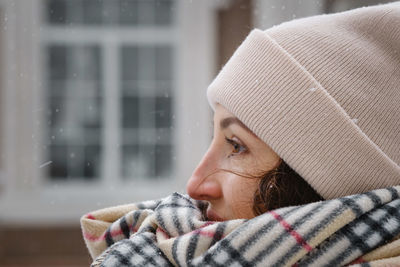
333, 233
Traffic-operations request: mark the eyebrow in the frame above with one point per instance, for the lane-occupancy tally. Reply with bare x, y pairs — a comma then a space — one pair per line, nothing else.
233, 120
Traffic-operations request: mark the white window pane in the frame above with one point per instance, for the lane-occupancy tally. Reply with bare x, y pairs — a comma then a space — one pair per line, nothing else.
110, 12
84, 62
74, 101
75, 162
57, 55
163, 162
147, 153
128, 12
129, 60
74, 12
163, 63
146, 93
164, 12
147, 112
163, 112
130, 112
91, 161
93, 11
146, 61
139, 162
146, 14
132, 166
58, 155
71, 162
56, 11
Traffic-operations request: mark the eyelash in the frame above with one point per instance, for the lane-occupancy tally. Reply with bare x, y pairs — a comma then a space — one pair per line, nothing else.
236, 145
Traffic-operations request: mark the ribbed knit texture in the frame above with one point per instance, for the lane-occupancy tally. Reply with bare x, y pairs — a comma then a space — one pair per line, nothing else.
324, 93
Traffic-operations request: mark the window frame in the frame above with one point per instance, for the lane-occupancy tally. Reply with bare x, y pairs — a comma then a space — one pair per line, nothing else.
27, 196
110, 41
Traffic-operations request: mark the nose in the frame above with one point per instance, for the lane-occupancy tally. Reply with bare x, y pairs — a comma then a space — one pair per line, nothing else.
204, 183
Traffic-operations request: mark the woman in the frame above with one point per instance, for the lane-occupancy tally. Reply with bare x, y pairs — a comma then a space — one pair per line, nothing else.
241, 179
305, 111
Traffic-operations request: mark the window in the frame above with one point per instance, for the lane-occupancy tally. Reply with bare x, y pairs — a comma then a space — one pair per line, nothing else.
76, 83
74, 108
147, 101
104, 103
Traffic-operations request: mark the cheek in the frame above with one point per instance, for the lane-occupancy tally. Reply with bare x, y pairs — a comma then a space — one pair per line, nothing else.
250, 164
242, 196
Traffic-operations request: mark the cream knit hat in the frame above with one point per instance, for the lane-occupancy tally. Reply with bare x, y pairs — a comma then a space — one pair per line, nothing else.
324, 93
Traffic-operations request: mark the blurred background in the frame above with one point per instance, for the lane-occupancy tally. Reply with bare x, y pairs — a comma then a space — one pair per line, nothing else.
103, 102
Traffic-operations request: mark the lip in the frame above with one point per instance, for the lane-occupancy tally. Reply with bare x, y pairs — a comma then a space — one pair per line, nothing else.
212, 216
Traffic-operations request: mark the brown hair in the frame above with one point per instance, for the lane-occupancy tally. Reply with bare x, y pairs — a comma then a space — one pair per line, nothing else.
282, 187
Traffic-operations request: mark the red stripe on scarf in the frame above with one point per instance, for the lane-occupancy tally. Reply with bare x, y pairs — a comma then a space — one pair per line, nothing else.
209, 233
103, 236
357, 261
289, 228
90, 216
160, 230
197, 231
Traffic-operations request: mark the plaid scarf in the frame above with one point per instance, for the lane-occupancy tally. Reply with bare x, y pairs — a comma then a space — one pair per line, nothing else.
173, 232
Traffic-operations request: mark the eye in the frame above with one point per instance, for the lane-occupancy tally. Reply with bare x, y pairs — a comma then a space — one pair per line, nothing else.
236, 147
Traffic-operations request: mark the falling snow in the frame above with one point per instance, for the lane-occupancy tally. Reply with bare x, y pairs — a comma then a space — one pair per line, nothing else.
45, 164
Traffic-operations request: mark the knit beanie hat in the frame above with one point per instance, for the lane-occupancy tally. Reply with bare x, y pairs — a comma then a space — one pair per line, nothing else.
324, 93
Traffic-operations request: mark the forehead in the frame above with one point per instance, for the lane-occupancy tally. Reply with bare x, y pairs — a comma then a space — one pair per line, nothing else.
221, 111
224, 119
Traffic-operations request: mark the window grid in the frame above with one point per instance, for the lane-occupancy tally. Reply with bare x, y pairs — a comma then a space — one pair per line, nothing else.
149, 139
145, 137
110, 12
70, 66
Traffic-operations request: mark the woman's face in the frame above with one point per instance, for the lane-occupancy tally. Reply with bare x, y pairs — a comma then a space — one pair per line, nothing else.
233, 148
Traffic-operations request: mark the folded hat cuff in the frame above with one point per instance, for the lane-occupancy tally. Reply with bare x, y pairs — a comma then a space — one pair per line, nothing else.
286, 107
